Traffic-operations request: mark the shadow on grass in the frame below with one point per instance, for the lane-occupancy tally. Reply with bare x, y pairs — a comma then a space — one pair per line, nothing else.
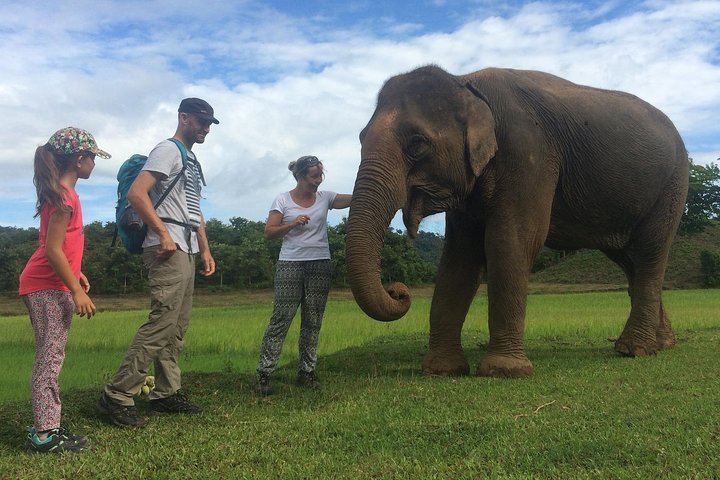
398, 358
376, 365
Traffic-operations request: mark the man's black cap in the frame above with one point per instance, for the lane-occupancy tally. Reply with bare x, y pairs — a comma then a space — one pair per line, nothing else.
198, 107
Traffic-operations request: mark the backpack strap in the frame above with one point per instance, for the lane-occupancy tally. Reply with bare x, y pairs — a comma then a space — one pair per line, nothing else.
183, 154
181, 147
182, 224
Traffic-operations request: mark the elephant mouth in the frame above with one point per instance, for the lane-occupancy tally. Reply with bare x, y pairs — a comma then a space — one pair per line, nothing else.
413, 212
421, 204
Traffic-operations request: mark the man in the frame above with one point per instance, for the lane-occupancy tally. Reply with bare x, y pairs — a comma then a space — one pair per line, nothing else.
176, 233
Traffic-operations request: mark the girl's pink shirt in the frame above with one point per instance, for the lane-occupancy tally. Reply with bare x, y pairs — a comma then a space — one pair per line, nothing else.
38, 274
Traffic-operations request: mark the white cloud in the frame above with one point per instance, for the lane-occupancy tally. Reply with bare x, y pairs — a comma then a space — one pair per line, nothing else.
284, 84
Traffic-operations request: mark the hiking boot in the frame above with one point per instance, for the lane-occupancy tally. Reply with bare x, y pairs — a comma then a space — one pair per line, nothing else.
307, 379
79, 439
177, 403
59, 440
120, 415
262, 384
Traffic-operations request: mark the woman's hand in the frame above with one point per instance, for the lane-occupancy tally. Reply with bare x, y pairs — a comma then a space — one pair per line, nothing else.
274, 228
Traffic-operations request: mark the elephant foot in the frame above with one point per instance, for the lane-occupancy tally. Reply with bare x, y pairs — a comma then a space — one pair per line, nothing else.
629, 347
665, 340
504, 366
445, 364
665, 337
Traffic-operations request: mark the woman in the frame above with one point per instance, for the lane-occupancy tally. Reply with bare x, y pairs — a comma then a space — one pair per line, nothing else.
303, 273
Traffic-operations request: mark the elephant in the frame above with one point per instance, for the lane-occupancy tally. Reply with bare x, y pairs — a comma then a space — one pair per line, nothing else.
516, 159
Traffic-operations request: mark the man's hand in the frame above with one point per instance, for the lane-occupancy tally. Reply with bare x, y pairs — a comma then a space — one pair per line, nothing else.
208, 264
167, 246
139, 197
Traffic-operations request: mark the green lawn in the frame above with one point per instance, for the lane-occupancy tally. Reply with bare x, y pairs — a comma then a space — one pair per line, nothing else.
585, 413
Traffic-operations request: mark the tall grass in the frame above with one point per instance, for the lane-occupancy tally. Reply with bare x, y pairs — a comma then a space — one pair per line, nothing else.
586, 413
228, 338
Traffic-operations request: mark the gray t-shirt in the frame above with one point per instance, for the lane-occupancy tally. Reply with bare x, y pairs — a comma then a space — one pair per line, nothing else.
183, 201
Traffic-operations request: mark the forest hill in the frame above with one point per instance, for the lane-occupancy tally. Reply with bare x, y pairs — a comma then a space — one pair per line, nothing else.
246, 260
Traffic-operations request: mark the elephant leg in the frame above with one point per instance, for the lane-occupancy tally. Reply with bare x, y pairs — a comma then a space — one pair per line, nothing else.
648, 327
509, 258
664, 336
639, 337
455, 287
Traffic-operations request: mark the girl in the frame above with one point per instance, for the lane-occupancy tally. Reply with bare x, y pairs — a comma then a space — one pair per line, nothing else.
52, 285
303, 273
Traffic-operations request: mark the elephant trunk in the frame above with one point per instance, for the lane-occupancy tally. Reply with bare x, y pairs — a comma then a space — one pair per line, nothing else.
377, 195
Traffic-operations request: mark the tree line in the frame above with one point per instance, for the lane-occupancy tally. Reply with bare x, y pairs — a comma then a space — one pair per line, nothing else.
244, 259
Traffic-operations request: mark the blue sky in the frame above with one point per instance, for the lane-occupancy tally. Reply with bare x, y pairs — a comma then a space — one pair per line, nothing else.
290, 78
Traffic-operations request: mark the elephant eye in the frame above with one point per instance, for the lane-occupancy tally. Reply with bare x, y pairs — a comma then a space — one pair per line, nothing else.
418, 146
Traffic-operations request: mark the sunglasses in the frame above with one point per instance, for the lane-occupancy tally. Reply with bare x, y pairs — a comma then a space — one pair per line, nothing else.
304, 163
309, 161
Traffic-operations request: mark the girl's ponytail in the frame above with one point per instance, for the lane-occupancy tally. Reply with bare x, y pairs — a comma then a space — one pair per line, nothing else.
48, 168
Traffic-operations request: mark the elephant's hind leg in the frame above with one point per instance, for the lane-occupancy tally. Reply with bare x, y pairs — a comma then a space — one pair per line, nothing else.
640, 335
648, 327
665, 336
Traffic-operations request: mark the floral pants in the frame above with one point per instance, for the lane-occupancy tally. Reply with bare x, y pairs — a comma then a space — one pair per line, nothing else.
51, 313
297, 284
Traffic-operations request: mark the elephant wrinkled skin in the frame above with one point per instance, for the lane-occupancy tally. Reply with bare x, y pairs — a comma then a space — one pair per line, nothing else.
518, 159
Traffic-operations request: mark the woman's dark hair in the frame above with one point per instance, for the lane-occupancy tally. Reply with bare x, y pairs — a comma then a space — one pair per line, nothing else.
49, 166
300, 166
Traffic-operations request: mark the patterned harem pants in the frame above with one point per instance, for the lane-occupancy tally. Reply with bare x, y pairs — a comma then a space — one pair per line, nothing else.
305, 284
51, 313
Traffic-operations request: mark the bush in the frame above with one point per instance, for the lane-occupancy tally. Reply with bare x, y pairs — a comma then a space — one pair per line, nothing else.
703, 199
710, 266
549, 257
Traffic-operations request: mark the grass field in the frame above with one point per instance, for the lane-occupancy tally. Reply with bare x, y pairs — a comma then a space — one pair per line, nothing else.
585, 413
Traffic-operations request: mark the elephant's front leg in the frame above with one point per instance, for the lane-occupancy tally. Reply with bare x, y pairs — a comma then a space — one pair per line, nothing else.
455, 286
510, 253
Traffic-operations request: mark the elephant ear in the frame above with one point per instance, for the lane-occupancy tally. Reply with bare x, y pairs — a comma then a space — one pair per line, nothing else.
480, 142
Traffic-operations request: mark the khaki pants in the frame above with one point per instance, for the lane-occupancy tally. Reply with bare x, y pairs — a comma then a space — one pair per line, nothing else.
160, 339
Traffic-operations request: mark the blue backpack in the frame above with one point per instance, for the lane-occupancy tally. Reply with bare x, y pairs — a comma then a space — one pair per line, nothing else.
128, 224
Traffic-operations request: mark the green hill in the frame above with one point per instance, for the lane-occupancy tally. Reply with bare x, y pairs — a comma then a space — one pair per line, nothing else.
591, 266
